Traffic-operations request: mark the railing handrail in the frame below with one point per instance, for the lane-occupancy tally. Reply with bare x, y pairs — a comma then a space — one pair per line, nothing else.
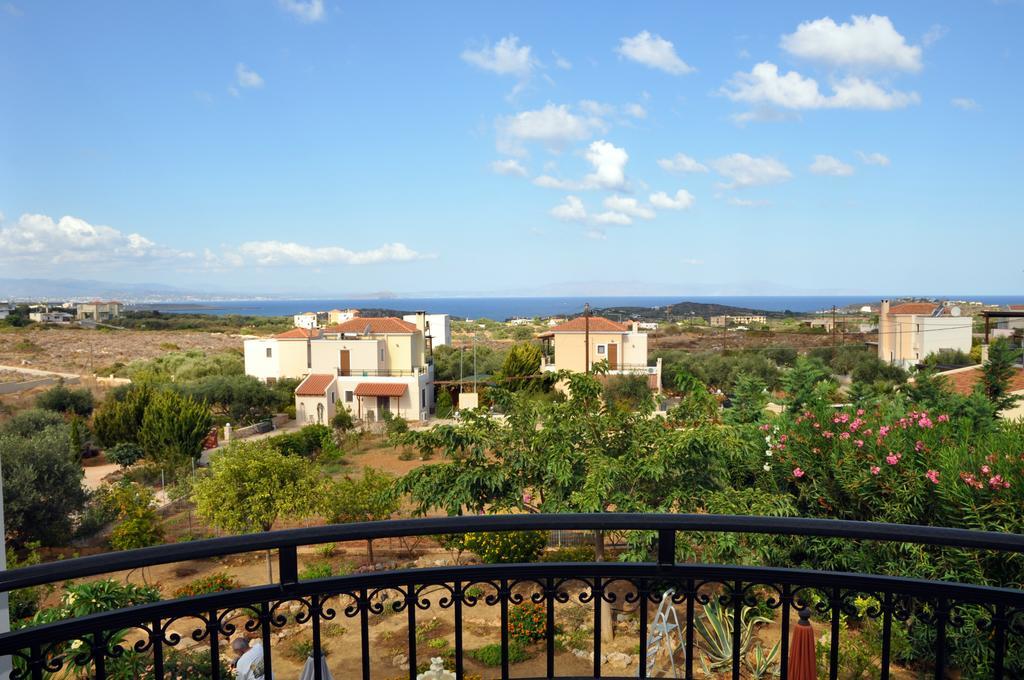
291, 539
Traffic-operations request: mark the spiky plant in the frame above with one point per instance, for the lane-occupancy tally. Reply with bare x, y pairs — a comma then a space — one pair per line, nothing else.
715, 629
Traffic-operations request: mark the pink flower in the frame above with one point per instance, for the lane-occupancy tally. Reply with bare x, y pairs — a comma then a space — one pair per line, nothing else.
836, 419
986, 469
875, 469
860, 412
867, 432
783, 438
892, 459
826, 435
933, 476
844, 435
943, 418
924, 423
859, 443
798, 473
883, 430
527, 498
997, 482
919, 445
765, 427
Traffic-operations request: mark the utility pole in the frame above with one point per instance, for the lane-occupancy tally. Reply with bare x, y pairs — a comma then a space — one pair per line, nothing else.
474, 364
833, 330
586, 336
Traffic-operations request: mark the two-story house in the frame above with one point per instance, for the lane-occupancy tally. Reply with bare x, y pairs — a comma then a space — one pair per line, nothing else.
909, 332
98, 310
375, 364
579, 344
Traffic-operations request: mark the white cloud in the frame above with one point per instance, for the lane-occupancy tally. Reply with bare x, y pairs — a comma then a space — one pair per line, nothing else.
866, 43
247, 77
681, 201
691, 261
635, 110
873, 158
570, 211
830, 165
748, 171
628, 206
549, 182
765, 86
747, 202
508, 166
272, 253
934, 34
561, 62
681, 163
609, 163
41, 239
613, 217
595, 108
553, 126
309, 11
964, 103
653, 51
506, 57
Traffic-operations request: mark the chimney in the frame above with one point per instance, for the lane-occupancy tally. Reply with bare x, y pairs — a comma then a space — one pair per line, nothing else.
421, 321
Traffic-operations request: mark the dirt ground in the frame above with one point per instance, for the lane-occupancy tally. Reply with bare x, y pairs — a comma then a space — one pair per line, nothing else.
733, 340
84, 351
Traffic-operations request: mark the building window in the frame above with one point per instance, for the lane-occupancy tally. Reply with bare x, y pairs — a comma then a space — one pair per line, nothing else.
382, 355
270, 352
600, 349
332, 397
348, 395
423, 397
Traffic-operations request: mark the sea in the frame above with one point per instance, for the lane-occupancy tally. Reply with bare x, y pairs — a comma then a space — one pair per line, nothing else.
503, 308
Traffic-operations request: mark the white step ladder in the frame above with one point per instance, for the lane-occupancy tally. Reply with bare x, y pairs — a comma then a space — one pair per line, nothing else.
660, 636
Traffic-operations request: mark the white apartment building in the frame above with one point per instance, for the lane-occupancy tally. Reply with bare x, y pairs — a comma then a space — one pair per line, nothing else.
438, 327
307, 320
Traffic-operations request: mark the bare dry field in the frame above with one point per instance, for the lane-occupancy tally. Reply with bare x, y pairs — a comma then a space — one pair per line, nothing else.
78, 350
729, 340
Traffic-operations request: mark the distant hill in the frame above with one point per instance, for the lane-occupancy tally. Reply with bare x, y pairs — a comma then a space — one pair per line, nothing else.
62, 289
680, 310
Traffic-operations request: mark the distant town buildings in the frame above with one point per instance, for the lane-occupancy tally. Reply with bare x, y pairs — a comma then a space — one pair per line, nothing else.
307, 320
98, 311
909, 332
335, 316
46, 315
731, 320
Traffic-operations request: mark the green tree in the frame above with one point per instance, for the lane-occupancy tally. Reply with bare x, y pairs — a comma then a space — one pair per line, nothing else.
42, 485
250, 485
138, 524
997, 372
342, 420
748, 400
443, 408
697, 406
371, 497
629, 392
31, 422
241, 398
124, 454
174, 428
59, 398
521, 368
119, 418
806, 383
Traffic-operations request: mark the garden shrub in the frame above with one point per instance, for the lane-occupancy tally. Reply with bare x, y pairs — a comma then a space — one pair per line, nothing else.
59, 398
490, 655
506, 546
211, 583
124, 454
315, 570
306, 442
527, 622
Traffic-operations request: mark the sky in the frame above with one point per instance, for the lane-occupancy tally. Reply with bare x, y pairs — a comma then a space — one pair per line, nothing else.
533, 148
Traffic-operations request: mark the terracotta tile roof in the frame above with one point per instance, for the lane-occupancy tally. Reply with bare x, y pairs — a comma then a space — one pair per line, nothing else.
297, 334
380, 389
315, 385
963, 381
1015, 308
376, 324
598, 324
913, 308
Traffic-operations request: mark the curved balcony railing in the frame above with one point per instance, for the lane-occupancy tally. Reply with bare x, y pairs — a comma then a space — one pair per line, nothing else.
91, 645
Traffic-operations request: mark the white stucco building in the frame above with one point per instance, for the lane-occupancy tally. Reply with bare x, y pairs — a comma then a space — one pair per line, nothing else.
438, 327
909, 332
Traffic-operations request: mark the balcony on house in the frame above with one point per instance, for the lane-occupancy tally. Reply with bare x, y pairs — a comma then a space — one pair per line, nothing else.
646, 618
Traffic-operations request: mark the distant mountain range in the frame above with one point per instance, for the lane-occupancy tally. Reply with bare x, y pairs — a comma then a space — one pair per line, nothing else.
680, 310
67, 289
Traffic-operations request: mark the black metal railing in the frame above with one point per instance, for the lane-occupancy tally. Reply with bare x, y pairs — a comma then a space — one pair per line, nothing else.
94, 645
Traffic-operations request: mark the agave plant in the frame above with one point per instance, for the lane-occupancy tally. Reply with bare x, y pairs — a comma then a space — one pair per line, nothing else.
715, 628
764, 663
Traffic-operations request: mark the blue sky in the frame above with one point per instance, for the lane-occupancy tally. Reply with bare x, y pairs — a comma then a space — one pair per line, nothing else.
530, 147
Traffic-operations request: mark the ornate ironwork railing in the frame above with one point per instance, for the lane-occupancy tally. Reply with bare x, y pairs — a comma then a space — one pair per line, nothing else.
93, 645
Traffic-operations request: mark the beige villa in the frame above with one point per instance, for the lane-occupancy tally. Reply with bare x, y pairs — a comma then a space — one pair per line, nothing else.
909, 332
376, 364
579, 344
